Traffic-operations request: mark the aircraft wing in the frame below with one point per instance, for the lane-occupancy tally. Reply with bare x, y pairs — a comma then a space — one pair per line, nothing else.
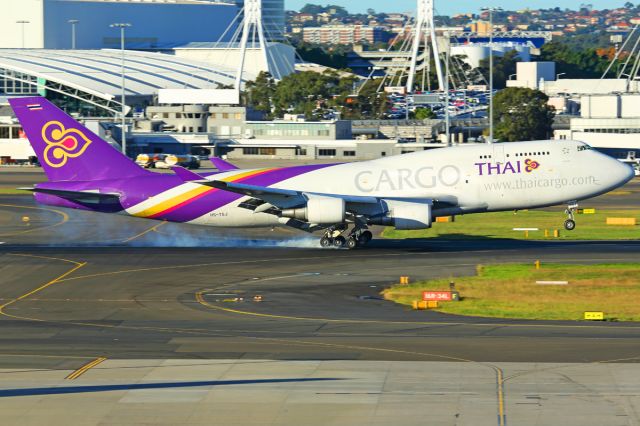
276, 201
282, 198
79, 196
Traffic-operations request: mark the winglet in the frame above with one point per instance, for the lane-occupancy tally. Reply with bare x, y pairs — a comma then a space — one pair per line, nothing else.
223, 166
186, 175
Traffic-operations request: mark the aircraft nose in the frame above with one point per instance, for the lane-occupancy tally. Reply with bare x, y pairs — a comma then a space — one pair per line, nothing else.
621, 173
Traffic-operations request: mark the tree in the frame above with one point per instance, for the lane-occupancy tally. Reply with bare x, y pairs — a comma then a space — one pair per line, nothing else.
312, 9
522, 114
259, 93
424, 114
574, 61
503, 67
316, 95
329, 56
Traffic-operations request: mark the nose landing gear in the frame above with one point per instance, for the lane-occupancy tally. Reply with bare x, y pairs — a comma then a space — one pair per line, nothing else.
570, 223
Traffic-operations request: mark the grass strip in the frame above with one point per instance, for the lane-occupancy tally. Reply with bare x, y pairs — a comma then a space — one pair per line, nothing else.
500, 225
13, 191
510, 291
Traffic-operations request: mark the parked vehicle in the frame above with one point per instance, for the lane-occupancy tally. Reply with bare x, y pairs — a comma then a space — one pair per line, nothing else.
166, 161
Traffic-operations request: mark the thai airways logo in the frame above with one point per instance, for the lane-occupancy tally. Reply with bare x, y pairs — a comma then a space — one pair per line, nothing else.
510, 167
531, 165
62, 144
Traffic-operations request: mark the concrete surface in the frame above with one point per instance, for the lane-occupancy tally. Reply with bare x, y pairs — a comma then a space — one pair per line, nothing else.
255, 392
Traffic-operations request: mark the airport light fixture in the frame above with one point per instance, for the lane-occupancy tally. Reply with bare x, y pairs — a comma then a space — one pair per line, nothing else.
447, 102
491, 10
73, 23
123, 27
23, 23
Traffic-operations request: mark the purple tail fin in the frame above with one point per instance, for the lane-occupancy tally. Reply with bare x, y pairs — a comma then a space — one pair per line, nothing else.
66, 149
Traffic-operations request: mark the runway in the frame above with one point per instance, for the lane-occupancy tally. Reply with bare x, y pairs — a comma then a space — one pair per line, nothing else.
137, 320
124, 296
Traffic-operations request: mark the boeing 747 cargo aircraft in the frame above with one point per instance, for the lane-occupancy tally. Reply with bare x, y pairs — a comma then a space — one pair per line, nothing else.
341, 200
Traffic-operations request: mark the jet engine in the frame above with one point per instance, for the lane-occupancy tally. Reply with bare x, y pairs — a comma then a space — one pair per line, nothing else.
406, 215
320, 210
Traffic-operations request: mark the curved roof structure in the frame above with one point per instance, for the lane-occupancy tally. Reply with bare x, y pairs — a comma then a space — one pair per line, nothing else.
95, 76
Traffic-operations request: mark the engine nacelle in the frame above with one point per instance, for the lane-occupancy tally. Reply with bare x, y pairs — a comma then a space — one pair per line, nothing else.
320, 211
407, 215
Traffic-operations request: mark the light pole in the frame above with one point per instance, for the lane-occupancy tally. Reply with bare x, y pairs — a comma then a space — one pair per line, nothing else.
491, 10
122, 27
73, 23
23, 23
447, 99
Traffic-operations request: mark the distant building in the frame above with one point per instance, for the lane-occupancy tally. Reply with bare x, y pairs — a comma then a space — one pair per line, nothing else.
304, 17
480, 27
610, 123
533, 74
155, 24
345, 34
542, 76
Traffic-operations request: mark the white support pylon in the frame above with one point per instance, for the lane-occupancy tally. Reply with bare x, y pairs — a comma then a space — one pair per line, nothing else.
424, 27
252, 24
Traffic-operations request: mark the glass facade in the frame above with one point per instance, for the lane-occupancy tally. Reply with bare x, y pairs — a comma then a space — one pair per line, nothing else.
273, 15
291, 130
15, 83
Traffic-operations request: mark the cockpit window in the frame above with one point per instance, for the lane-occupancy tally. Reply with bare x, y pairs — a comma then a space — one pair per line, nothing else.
584, 148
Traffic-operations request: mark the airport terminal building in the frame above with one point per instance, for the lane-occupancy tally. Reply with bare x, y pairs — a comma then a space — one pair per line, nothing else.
155, 24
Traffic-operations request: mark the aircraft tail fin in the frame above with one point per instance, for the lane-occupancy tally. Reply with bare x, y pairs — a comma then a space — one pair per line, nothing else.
67, 150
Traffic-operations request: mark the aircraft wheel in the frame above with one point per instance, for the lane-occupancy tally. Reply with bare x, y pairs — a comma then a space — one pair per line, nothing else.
570, 224
326, 242
366, 237
352, 243
339, 242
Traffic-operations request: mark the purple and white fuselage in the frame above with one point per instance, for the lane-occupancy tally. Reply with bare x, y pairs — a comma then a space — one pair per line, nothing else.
407, 192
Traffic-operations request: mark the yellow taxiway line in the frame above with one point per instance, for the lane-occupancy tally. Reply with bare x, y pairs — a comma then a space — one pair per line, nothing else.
142, 234
77, 266
88, 366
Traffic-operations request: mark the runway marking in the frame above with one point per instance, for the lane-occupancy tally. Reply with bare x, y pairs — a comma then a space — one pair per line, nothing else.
77, 266
44, 356
142, 234
240, 262
297, 259
65, 219
502, 416
88, 366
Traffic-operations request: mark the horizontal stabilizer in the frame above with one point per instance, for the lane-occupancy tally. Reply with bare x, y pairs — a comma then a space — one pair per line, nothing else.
79, 196
185, 174
222, 165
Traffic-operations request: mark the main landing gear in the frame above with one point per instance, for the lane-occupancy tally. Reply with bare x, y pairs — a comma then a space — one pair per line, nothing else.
570, 223
335, 237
